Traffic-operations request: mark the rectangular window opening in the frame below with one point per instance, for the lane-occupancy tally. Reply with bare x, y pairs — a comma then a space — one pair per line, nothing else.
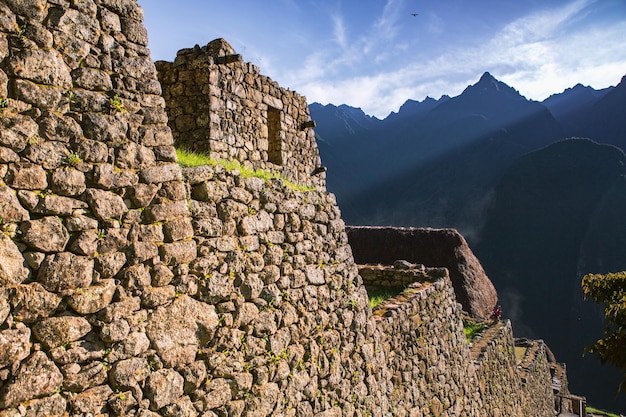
274, 151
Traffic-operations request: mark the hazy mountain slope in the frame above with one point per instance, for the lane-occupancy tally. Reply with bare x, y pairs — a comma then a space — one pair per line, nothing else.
434, 163
572, 101
553, 213
605, 121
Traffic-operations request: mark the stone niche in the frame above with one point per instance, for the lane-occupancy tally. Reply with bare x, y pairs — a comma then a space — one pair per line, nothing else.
221, 106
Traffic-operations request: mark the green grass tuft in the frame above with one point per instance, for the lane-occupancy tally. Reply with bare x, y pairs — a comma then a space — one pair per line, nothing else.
471, 329
193, 159
378, 296
598, 412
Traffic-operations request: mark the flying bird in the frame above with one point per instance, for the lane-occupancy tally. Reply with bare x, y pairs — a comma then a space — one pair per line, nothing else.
414, 14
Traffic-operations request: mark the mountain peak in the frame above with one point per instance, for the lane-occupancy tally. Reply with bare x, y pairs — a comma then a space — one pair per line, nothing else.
487, 77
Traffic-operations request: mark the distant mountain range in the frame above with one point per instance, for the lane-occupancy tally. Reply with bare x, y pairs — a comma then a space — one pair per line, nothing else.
539, 208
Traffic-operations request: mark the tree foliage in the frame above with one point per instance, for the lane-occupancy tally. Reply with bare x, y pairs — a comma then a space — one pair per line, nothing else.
610, 290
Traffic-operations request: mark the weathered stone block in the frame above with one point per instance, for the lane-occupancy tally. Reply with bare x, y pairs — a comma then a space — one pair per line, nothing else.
133, 156
54, 405
142, 194
136, 277
105, 204
114, 240
78, 223
26, 176
74, 23
59, 205
10, 207
8, 155
31, 302
91, 401
128, 373
157, 296
46, 235
133, 345
178, 252
68, 182
154, 136
54, 127
38, 376
56, 331
45, 98
178, 329
110, 264
178, 229
92, 79
94, 298
161, 173
142, 251
14, 346
16, 130
40, 66
80, 378
166, 211
164, 387
109, 177
104, 128
65, 271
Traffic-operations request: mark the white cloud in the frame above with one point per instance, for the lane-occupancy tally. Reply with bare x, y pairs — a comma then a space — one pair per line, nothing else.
534, 54
386, 25
339, 31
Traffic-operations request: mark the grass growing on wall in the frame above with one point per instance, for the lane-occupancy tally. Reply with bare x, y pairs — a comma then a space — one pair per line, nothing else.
471, 329
193, 159
595, 411
377, 296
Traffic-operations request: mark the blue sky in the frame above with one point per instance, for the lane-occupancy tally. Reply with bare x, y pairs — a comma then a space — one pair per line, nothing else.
375, 55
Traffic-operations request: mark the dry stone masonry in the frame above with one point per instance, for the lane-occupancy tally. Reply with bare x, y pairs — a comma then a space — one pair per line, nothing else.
219, 105
130, 286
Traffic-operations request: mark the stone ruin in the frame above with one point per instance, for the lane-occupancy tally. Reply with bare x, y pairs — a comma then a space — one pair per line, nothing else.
223, 107
130, 286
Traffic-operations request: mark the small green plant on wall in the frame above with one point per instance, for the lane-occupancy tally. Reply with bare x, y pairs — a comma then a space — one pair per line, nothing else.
4, 104
73, 159
116, 104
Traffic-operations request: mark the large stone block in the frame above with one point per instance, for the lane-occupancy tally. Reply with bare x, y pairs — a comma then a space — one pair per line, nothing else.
12, 269
10, 207
46, 235
65, 271
37, 376
105, 204
41, 67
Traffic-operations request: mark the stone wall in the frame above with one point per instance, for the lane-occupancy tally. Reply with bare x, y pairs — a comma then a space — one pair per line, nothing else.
223, 107
537, 367
429, 360
92, 205
432, 248
435, 371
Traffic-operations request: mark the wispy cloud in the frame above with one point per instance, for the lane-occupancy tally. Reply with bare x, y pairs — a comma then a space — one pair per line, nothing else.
386, 26
339, 31
537, 54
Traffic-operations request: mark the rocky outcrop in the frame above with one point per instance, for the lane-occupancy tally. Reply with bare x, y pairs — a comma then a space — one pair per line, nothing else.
430, 247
